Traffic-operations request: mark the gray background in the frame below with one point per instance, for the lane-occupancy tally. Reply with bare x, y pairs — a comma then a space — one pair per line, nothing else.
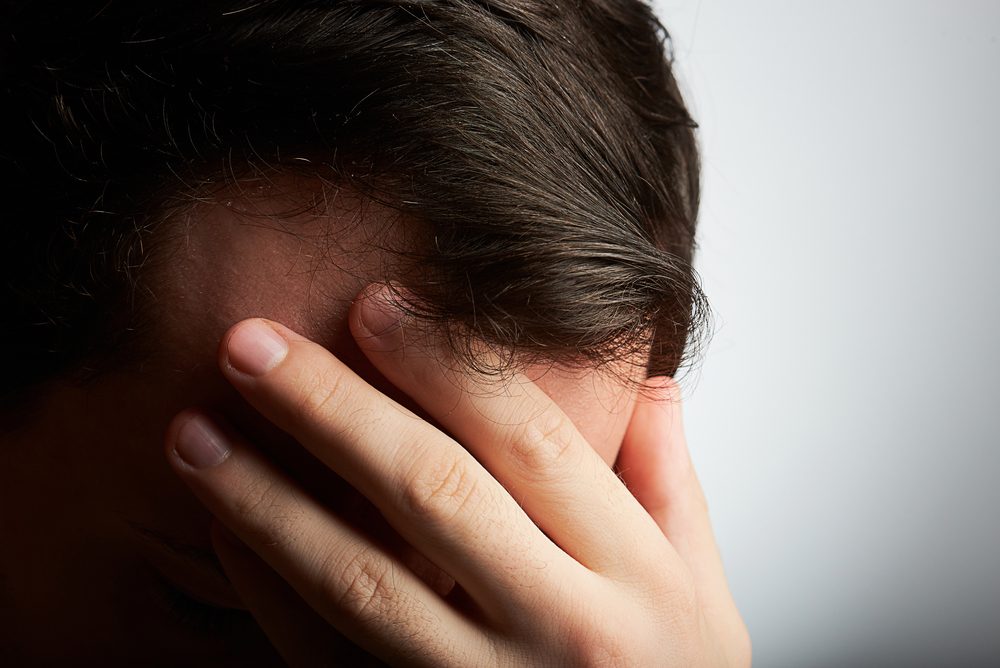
845, 421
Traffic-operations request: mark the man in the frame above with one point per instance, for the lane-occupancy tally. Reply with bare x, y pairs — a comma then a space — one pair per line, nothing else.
520, 179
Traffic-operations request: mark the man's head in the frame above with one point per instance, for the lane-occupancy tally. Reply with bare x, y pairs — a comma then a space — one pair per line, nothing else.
525, 170
542, 147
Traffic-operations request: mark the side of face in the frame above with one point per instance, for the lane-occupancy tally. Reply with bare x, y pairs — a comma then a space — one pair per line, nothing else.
98, 534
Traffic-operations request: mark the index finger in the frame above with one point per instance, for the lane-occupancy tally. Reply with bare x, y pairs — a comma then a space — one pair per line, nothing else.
433, 492
525, 441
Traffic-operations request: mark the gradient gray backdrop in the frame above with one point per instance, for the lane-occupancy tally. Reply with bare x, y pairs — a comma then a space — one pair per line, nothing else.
845, 422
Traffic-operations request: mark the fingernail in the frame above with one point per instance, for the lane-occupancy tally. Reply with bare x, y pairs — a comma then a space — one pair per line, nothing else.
201, 444
381, 315
254, 348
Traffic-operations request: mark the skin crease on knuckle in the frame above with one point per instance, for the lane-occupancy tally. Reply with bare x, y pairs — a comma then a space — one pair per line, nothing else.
585, 632
272, 511
440, 490
542, 447
317, 393
368, 591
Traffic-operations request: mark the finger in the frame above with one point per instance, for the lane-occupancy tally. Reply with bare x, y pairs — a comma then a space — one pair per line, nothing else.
518, 433
300, 635
656, 466
354, 584
428, 487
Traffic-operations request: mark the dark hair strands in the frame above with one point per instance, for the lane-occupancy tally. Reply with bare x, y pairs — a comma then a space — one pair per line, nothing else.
542, 149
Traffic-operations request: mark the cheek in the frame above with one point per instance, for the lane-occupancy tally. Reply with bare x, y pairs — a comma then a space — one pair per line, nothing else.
599, 405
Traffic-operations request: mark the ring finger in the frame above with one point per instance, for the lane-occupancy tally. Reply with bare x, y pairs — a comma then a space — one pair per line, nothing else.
345, 576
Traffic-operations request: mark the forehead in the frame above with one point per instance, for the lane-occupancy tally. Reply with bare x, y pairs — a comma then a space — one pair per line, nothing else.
298, 253
293, 250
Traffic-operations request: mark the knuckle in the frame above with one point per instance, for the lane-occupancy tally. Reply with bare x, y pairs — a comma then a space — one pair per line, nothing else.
319, 396
323, 402
671, 597
271, 514
607, 644
606, 651
678, 612
682, 594
369, 590
543, 446
440, 490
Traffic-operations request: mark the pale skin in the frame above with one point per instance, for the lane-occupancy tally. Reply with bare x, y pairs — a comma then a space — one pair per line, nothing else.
558, 562
93, 516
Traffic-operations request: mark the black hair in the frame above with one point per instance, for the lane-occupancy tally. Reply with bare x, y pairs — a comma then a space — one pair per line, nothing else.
544, 145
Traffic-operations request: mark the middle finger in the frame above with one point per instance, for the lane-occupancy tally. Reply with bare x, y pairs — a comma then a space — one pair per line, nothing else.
518, 433
433, 492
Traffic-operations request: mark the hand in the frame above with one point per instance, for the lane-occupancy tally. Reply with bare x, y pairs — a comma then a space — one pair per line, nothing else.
555, 562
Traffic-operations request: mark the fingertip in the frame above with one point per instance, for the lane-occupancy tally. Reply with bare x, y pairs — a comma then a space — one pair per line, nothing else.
253, 347
197, 442
659, 398
175, 427
662, 389
654, 445
378, 314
